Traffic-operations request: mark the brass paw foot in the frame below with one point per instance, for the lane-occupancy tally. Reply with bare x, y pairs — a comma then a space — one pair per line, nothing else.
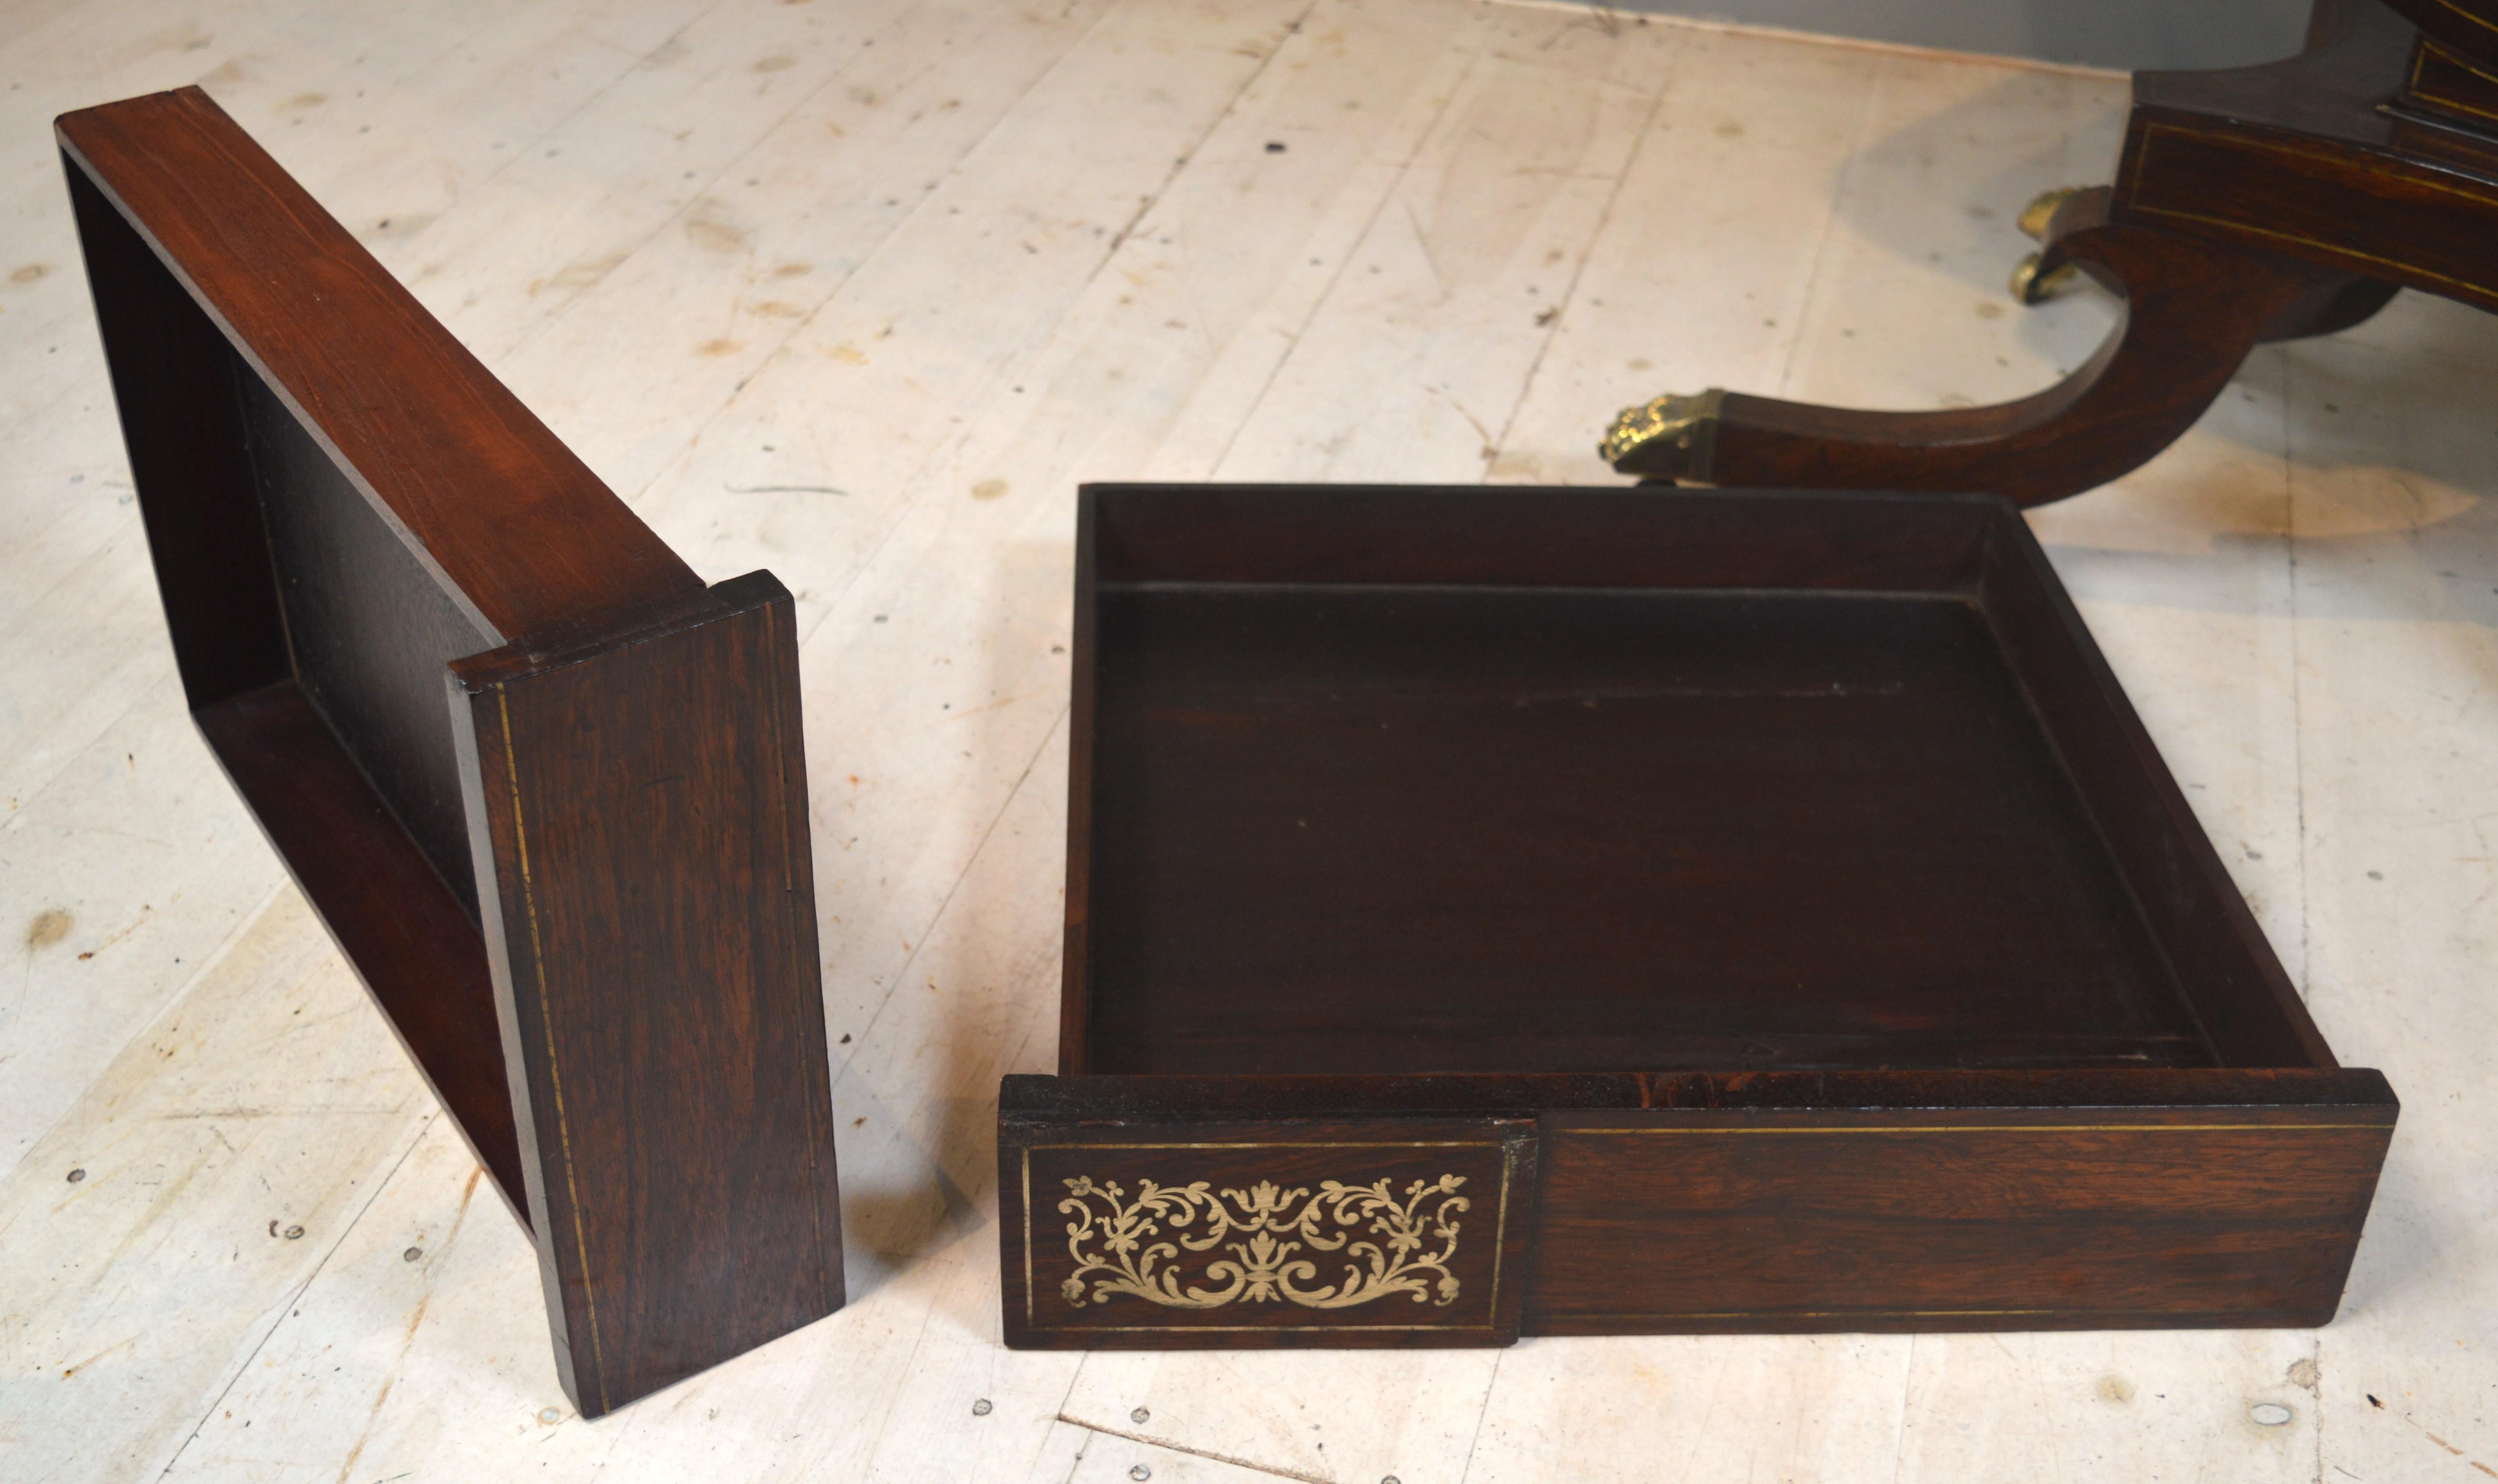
1668, 439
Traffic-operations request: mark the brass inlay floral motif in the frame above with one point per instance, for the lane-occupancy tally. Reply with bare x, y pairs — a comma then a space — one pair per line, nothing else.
1141, 1246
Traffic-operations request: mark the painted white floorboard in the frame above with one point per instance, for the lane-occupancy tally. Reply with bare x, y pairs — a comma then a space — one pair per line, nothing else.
158, 1235
860, 290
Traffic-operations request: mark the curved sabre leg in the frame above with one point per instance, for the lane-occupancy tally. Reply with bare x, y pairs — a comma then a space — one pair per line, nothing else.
2193, 310
2352, 302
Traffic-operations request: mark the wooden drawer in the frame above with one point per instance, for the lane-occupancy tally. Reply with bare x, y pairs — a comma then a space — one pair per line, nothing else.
1661, 911
543, 786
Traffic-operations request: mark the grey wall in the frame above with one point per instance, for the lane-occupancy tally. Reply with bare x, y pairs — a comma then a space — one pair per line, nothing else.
2125, 34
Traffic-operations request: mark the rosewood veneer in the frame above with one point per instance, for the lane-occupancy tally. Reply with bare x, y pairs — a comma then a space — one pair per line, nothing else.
1505, 911
543, 786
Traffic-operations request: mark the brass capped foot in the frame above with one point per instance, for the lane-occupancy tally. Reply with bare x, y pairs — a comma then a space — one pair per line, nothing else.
2031, 286
1667, 438
2042, 211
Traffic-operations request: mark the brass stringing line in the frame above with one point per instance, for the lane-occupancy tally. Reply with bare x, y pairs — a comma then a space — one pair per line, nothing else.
1027, 1235
545, 1023
1992, 1128
1651, 1316
2397, 264
1500, 1228
2459, 106
1830, 1314
1292, 1143
2449, 5
2260, 148
2329, 157
788, 888
2469, 65
2420, 63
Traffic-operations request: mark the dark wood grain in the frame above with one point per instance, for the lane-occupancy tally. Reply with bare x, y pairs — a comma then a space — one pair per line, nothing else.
2244, 1006
1419, 536
1357, 826
1250, 533
368, 631
1788, 870
1358, 821
402, 407
2309, 158
1764, 1219
1076, 977
1111, 1099
640, 807
2469, 28
2450, 87
174, 378
1106, 1100
2067, 1089
544, 787
411, 939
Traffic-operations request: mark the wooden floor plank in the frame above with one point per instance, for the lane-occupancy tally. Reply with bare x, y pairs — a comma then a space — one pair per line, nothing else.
409, 103
1699, 271
935, 584
207, 1192
422, 101
2395, 592
666, 327
1415, 362
1095, 267
1811, 1407
110, 759
1908, 304
123, 880
648, 153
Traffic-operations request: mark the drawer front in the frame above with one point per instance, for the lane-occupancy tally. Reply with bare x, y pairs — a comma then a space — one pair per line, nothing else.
1715, 1220
1230, 1236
